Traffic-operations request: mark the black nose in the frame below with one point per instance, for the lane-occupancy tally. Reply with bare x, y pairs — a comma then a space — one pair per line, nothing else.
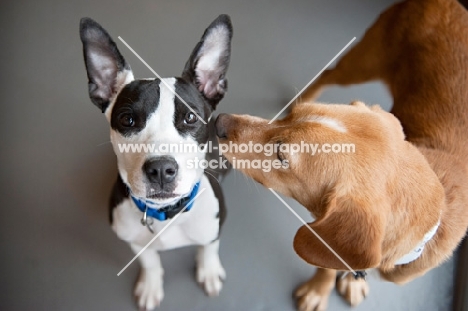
221, 125
162, 170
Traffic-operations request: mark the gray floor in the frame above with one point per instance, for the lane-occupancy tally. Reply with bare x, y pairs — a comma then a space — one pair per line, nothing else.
58, 252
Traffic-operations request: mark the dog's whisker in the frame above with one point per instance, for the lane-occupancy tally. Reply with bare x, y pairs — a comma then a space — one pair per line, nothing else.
255, 186
212, 176
104, 143
212, 171
250, 181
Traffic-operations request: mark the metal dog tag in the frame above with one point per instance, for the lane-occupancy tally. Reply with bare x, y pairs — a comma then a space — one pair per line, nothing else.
147, 221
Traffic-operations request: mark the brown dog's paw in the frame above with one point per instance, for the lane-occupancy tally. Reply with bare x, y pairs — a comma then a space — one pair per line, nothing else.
313, 294
353, 291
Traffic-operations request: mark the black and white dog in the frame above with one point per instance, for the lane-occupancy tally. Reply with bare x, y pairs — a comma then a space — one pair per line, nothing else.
153, 187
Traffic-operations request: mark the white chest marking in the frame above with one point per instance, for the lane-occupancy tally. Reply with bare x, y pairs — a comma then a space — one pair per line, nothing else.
199, 226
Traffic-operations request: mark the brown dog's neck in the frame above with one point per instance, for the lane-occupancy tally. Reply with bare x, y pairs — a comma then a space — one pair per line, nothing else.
316, 199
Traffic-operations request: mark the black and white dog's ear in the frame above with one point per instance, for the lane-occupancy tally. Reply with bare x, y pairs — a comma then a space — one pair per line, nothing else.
107, 69
209, 61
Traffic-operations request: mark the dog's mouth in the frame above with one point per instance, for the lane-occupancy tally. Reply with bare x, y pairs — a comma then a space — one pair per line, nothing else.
158, 193
161, 195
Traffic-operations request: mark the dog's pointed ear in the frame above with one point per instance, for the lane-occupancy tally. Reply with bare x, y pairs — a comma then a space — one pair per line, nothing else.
106, 68
350, 227
209, 61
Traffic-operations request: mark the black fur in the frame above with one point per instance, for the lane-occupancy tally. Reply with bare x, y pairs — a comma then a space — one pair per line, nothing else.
197, 102
139, 98
219, 172
222, 213
119, 193
216, 175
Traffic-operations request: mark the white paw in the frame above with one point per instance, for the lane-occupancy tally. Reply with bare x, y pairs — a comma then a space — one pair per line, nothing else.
211, 277
353, 291
149, 289
313, 296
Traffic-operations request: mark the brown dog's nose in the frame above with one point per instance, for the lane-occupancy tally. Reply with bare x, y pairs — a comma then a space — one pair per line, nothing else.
221, 124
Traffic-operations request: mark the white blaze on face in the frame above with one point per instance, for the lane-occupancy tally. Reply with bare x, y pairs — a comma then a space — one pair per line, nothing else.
329, 122
159, 130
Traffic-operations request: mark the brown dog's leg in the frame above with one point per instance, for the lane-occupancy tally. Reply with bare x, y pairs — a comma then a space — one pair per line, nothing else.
405, 273
368, 60
313, 294
352, 290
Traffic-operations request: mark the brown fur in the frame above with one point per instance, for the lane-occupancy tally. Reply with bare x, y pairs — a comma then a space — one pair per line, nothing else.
375, 205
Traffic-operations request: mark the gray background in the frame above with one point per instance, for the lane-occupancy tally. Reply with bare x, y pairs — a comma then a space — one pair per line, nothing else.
57, 165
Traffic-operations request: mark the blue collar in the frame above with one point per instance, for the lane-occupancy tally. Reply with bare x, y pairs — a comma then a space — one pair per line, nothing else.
169, 211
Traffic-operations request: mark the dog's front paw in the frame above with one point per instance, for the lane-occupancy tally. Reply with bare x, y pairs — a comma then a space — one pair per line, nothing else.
149, 289
353, 291
313, 294
312, 297
211, 277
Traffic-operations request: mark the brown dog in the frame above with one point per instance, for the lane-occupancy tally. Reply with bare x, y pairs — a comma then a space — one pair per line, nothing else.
397, 205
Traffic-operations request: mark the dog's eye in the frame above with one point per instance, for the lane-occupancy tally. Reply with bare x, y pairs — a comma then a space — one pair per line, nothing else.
127, 120
283, 160
190, 118
281, 156
279, 153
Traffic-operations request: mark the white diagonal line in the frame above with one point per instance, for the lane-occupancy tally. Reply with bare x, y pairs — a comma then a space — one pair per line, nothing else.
156, 74
160, 232
313, 79
313, 231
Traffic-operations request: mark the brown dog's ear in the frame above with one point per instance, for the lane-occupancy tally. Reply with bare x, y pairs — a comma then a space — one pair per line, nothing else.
350, 227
